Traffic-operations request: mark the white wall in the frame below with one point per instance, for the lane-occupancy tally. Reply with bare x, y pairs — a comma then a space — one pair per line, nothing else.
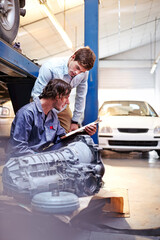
126, 94
127, 76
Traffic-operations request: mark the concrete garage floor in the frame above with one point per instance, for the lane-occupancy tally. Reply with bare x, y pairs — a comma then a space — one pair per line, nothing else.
135, 172
140, 174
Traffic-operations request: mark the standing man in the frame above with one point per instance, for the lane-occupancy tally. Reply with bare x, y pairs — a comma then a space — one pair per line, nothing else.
36, 124
74, 71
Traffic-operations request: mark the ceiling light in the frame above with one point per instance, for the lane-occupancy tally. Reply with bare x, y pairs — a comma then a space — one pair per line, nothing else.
55, 22
61, 3
155, 65
153, 68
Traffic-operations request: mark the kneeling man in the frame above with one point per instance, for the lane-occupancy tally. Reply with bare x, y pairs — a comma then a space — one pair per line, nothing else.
36, 124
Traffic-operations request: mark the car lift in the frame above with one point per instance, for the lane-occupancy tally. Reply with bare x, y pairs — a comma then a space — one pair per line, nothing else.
18, 72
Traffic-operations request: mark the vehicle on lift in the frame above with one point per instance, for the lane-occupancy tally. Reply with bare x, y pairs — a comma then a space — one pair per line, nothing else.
6, 114
129, 126
10, 11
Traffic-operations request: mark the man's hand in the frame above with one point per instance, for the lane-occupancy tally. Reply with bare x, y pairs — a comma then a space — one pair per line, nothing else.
91, 129
74, 126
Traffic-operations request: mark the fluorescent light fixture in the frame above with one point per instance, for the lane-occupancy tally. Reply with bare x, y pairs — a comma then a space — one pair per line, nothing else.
153, 68
155, 65
55, 22
61, 3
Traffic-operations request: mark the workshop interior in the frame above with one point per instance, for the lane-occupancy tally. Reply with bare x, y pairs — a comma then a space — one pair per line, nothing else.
104, 186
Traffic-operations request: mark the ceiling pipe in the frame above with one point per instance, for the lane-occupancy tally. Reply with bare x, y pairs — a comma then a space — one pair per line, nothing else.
55, 22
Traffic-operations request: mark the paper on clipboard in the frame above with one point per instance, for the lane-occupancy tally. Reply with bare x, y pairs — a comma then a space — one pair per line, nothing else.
81, 129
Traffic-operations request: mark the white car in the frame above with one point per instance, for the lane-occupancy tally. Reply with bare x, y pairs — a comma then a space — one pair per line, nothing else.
129, 126
6, 117
6, 114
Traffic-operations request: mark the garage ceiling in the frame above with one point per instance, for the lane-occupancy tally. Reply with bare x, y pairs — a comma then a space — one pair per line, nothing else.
123, 25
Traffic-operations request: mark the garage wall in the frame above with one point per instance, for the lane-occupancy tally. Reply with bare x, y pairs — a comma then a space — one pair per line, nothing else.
157, 87
127, 76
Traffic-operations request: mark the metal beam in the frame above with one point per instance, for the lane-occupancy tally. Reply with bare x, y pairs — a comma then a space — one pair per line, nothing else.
15, 64
19, 73
91, 40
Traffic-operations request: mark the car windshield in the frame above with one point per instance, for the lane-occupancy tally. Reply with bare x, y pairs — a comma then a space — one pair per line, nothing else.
126, 108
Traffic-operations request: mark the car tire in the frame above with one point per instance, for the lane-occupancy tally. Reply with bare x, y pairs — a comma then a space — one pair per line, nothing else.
9, 19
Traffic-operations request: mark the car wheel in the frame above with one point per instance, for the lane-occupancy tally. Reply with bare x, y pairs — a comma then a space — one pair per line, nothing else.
9, 19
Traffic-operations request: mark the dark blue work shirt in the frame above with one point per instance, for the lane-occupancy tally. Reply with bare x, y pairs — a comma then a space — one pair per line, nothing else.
32, 131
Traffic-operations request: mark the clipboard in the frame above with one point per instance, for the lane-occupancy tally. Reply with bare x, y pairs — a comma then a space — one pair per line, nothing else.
81, 129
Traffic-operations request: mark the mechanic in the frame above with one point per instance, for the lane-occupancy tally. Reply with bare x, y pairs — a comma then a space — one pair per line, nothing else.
36, 124
74, 71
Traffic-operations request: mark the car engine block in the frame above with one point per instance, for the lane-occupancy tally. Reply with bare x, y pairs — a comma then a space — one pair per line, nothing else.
75, 168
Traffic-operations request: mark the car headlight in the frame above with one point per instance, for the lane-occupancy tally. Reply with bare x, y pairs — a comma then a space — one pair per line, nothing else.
4, 112
105, 129
157, 130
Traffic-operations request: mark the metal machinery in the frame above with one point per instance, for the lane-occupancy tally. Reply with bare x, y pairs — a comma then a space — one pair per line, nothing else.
76, 168
18, 72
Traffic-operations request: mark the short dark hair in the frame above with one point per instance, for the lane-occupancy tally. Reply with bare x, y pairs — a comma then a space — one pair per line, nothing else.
56, 87
85, 57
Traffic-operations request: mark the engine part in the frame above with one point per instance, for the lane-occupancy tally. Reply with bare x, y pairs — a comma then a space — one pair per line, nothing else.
55, 202
76, 168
